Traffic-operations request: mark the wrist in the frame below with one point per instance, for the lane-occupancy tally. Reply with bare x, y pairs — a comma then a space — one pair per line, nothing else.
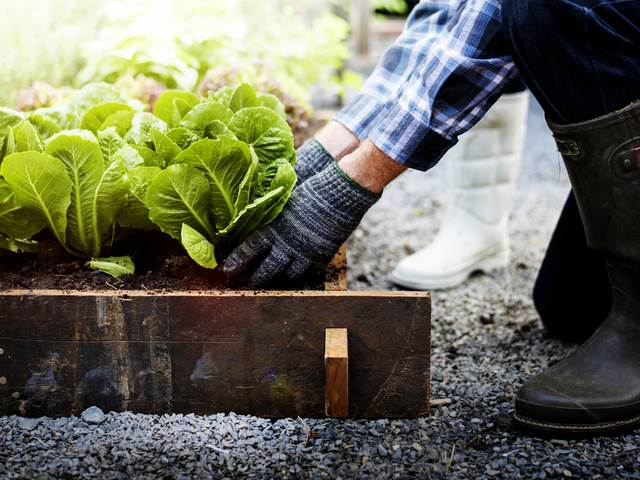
370, 167
355, 185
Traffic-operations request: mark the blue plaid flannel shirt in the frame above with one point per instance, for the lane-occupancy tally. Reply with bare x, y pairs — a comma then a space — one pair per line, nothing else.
434, 83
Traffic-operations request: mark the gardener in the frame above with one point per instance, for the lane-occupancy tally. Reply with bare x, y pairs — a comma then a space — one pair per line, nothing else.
577, 57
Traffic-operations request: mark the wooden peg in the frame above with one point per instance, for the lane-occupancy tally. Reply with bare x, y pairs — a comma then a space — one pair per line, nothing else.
336, 365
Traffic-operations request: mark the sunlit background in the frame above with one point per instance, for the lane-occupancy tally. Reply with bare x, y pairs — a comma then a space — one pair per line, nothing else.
303, 48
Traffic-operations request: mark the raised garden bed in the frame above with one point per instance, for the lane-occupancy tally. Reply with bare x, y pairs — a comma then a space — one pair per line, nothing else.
259, 353
168, 335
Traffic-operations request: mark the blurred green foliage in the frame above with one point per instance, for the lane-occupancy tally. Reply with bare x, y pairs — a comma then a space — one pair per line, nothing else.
174, 42
398, 7
42, 40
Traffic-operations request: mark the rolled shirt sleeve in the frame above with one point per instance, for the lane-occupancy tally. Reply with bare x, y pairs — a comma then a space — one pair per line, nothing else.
459, 73
407, 53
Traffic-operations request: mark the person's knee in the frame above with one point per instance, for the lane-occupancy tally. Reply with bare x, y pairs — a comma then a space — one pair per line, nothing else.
524, 21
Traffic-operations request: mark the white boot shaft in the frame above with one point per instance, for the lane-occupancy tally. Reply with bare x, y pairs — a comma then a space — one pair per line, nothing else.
480, 173
481, 169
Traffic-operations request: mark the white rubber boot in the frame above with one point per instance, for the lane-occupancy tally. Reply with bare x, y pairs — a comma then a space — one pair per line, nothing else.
481, 172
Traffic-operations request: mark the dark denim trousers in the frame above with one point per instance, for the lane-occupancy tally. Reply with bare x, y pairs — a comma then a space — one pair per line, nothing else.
581, 60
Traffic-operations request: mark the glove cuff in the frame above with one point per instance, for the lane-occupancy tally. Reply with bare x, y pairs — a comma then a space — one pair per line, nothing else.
312, 158
341, 192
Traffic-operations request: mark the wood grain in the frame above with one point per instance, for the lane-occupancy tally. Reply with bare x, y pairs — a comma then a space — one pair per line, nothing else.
336, 367
259, 353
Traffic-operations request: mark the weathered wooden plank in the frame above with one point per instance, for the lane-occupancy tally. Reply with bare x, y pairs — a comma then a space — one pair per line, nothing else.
336, 368
256, 353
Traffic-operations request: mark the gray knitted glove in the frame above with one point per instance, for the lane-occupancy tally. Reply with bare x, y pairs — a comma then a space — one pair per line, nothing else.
322, 213
312, 158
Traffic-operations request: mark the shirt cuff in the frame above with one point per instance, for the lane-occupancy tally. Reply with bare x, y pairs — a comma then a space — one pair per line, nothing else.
361, 115
409, 141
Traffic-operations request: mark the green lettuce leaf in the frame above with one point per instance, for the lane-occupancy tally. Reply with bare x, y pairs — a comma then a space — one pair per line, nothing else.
277, 187
198, 247
89, 96
272, 103
8, 119
95, 117
225, 163
217, 129
114, 149
141, 127
23, 138
167, 110
253, 216
268, 134
183, 137
243, 97
120, 120
98, 192
222, 96
46, 125
18, 246
110, 143
165, 147
249, 186
115, 266
180, 194
204, 114
15, 220
40, 183
135, 213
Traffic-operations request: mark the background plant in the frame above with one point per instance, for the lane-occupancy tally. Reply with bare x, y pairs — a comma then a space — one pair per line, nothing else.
43, 40
174, 43
397, 7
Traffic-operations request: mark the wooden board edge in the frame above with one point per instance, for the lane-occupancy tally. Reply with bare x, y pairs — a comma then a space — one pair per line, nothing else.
216, 293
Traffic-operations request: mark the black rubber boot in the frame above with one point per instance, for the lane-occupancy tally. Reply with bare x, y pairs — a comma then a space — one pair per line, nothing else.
597, 388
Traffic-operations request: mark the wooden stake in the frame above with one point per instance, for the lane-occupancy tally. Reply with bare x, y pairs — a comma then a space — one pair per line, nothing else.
336, 364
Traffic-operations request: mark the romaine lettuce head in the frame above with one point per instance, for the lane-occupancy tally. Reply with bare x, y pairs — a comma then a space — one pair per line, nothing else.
206, 171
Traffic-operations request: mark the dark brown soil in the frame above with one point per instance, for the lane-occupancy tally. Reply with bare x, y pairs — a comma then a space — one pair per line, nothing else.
161, 266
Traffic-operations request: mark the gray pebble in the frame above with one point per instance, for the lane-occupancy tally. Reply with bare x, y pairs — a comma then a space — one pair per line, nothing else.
93, 415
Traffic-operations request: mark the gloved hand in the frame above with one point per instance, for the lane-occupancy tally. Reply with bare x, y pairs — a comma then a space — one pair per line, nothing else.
312, 159
320, 216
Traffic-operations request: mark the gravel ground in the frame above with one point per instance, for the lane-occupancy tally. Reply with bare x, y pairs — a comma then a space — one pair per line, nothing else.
486, 339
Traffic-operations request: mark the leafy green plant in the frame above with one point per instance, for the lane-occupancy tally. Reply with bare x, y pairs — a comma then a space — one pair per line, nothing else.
295, 102
206, 171
234, 179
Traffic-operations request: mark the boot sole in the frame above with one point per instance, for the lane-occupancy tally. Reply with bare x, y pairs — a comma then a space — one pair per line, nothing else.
486, 265
605, 427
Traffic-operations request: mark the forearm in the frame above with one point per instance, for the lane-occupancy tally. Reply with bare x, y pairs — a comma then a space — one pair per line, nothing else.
370, 167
